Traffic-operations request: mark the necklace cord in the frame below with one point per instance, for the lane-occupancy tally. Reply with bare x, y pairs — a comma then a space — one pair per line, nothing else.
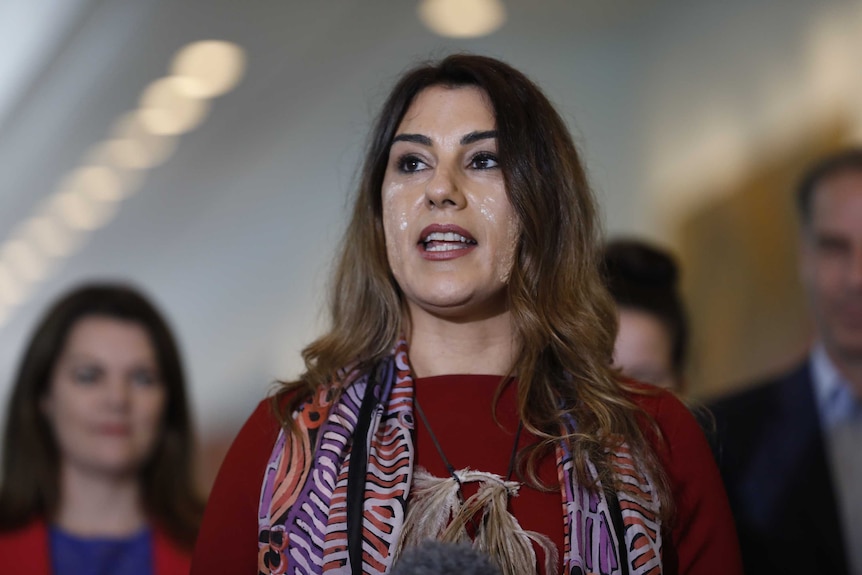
433, 437
446, 462
514, 451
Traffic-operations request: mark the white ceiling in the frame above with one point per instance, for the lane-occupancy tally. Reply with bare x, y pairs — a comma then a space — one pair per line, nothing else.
233, 234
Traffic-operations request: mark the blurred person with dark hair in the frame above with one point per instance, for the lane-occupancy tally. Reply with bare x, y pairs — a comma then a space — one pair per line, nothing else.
97, 449
792, 445
465, 389
652, 339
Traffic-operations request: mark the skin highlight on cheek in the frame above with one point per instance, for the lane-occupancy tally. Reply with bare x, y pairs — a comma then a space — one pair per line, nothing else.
487, 212
507, 255
394, 226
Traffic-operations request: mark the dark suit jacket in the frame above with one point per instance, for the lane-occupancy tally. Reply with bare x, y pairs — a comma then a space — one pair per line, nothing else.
774, 465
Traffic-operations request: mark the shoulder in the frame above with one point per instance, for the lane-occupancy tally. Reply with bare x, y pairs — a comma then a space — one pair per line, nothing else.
170, 559
25, 548
674, 433
767, 393
776, 402
264, 420
36, 531
227, 541
253, 443
663, 407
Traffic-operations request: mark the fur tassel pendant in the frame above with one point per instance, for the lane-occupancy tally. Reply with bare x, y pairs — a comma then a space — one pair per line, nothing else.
436, 512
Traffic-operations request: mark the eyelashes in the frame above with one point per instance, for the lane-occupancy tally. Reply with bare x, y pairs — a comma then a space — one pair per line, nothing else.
484, 161
410, 163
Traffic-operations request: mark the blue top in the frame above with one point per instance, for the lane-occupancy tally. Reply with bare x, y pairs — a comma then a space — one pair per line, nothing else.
72, 555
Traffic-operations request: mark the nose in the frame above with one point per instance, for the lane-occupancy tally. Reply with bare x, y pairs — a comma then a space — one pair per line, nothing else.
444, 189
119, 393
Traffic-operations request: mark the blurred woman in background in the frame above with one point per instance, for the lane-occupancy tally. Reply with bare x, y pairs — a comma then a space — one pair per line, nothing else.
652, 341
97, 450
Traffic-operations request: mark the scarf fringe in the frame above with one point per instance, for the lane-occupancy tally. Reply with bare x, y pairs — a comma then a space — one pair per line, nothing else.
436, 513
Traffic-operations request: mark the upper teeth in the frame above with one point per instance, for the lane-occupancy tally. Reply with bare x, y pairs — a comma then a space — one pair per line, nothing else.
445, 237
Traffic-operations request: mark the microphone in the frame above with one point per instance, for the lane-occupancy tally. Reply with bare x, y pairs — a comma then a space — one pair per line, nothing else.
438, 558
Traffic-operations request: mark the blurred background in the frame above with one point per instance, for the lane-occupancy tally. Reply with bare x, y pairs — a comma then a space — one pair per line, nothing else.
206, 150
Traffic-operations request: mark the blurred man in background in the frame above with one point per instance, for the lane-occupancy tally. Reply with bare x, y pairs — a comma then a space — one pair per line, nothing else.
792, 446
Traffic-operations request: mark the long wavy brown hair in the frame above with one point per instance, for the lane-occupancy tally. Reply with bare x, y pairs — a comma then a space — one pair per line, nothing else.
30, 480
564, 319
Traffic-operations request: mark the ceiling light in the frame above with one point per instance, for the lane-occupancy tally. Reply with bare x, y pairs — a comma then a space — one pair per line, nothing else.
214, 68
462, 18
167, 110
28, 263
133, 146
79, 212
50, 236
95, 182
11, 290
105, 154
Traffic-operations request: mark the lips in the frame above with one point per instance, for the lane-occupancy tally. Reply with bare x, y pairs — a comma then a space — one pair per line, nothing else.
115, 429
437, 235
445, 241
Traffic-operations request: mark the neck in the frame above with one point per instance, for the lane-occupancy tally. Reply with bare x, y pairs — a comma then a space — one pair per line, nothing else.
94, 505
439, 346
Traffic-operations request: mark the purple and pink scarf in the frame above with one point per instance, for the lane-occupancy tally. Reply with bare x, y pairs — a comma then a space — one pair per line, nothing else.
309, 493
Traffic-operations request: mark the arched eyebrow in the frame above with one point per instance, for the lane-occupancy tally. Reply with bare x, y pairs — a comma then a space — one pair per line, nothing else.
476, 136
415, 138
426, 141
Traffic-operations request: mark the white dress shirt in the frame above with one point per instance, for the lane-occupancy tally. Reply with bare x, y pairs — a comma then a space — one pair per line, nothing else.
841, 420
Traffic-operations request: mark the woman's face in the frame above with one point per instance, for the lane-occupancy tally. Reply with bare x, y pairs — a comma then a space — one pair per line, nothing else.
105, 400
450, 230
643, 349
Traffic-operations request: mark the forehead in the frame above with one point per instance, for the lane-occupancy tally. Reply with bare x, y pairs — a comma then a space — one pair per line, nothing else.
439, 107
837, 203
108, 336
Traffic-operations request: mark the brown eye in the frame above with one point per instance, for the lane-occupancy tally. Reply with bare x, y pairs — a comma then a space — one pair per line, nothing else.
144, 378
410, 163
86, 375
484, 161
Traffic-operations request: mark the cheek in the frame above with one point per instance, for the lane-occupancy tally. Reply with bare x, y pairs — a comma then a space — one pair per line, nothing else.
506, 255
64, 410
150, 407
395, 222
500, 217
823, 277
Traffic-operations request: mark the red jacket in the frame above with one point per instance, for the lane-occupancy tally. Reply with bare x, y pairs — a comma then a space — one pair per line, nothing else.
25, 552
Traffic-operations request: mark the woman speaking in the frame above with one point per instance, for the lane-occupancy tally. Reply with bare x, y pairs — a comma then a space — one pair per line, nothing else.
465, 391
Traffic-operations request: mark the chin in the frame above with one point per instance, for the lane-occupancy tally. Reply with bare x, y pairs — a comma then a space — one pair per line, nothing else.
449, 309
118, 464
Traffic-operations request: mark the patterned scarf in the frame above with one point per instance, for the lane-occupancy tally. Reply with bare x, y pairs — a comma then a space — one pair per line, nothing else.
312, 492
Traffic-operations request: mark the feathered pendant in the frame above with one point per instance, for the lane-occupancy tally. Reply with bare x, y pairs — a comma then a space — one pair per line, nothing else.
436, 512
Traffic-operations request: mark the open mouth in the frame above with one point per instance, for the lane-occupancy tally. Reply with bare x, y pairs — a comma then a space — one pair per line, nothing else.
446, 242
